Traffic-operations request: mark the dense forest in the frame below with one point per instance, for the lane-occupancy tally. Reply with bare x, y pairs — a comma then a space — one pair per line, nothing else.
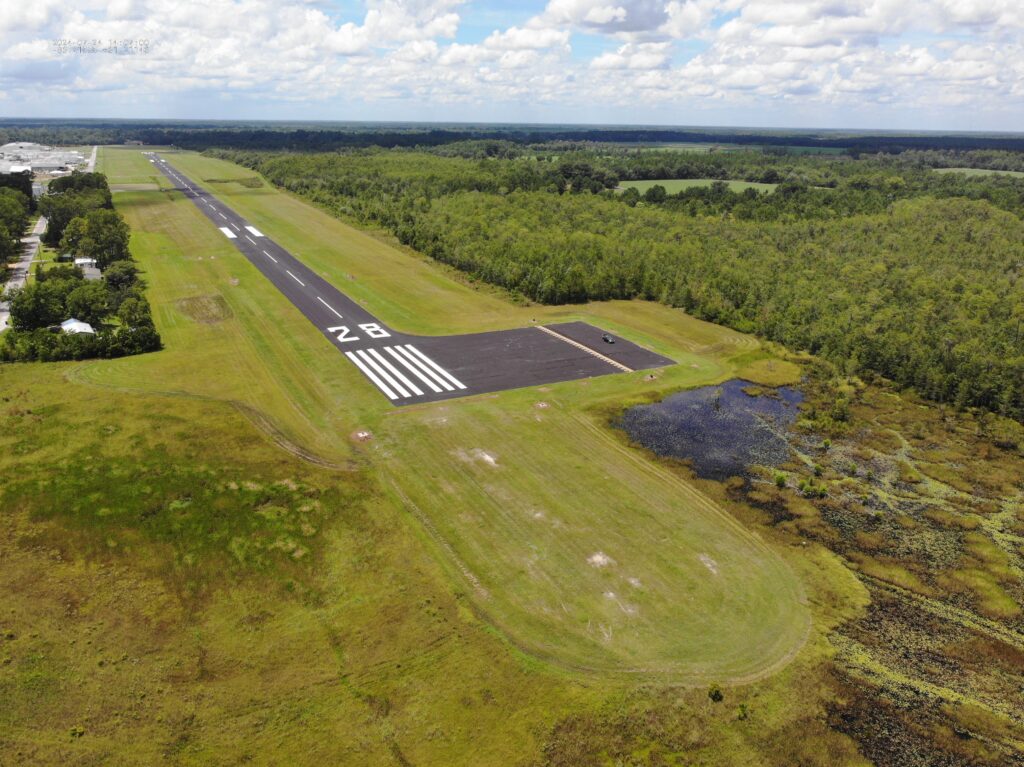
880, 266
324, 136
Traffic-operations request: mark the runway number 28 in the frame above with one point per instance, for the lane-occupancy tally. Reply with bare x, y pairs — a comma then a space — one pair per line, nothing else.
343, 335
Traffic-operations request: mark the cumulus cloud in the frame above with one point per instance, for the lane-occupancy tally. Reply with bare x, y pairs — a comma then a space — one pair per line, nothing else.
666, 53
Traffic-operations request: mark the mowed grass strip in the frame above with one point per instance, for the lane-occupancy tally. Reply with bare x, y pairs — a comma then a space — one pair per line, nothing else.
980, 172
587, 554
580, 551
676, 185
260, 351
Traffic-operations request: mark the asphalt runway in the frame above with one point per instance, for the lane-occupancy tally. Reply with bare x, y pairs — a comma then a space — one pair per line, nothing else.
410, 369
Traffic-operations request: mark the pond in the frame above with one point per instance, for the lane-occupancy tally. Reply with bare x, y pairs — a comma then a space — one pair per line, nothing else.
720, 430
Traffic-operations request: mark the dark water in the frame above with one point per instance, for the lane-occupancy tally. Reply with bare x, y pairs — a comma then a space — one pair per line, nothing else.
720, 429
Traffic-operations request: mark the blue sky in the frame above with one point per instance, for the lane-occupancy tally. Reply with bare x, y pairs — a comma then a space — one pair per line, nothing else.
908, 64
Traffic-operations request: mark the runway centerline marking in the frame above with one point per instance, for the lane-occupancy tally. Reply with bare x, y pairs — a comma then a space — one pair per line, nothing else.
296, 278
585, 348
322, 301
250, 239
222, 216
270, 256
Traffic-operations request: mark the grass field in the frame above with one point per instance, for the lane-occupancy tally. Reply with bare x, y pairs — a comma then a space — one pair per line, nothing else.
534, 576
980, 171
443, 593
676, 185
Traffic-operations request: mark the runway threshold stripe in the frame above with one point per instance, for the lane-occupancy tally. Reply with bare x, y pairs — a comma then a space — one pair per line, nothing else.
585, 348
296, 278
255, 232
323, 302
227, 232
413, 369
414, 363
436, 367
371, 375
395, 372
270, 256
394, 384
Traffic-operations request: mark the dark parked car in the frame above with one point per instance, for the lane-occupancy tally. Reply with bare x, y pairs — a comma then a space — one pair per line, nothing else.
607, 339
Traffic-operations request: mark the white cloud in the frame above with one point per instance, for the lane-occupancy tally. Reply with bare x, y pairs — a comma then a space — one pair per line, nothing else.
860, 54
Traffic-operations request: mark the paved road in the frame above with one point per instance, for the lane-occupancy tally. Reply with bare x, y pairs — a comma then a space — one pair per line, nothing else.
20, 269
90, 166
409, 369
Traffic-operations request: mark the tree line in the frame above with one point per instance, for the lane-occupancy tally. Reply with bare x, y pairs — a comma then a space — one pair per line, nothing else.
15, 210
328, 136
905, 276
83, 225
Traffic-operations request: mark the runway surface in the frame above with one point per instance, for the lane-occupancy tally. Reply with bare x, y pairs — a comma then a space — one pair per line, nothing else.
409, 369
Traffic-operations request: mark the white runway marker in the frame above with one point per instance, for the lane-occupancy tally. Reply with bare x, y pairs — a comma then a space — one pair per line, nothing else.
371, 375
392, 383
395, 372
296, 278
254, 231
227, 232
435, 366
235, 227
270, 256
324, 303
413, 369
222, 216
422, 371
250, 239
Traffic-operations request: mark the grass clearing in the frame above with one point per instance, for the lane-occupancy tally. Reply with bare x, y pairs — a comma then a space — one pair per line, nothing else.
980, 171
420, 463
676, 185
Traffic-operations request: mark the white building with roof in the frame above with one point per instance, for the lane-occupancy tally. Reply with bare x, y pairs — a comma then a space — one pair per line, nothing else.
76, 326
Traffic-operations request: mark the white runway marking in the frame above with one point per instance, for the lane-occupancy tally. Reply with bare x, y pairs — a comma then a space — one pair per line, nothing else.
250, 239
413, 369
255, 232
227, 232
296, 278
235, 227
392, 383
371, 375
435, 366
419, 368
222, 216
395, 372
396, 377
324, 303
270, 256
